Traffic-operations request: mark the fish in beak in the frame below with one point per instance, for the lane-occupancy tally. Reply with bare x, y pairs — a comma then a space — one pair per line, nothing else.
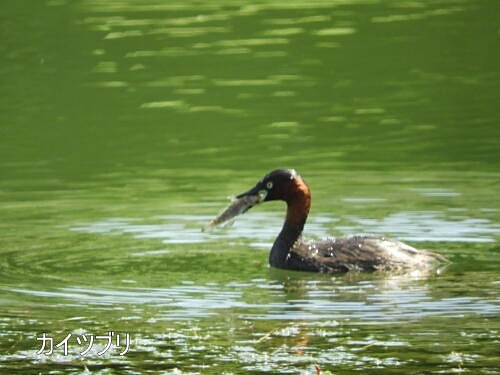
273, 186
239, 205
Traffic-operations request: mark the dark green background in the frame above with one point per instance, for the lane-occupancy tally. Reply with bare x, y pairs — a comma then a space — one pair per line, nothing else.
124, 125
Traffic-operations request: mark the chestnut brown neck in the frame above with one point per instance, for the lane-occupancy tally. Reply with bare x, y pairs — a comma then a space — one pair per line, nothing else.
298, 199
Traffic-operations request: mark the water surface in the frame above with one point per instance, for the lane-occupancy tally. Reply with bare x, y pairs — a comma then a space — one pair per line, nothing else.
126, 125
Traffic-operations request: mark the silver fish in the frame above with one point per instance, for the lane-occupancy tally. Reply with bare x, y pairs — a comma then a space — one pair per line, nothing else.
235, 208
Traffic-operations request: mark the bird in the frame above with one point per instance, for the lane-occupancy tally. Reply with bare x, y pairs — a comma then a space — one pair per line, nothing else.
332, 255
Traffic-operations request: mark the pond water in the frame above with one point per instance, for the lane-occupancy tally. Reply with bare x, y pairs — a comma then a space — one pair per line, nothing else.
126, 125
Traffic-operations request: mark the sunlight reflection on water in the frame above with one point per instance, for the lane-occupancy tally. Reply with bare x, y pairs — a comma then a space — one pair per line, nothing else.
261, 228
379, 300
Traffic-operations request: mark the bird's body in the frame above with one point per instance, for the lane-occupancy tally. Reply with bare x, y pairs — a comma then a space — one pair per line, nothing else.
290, 251
356, 253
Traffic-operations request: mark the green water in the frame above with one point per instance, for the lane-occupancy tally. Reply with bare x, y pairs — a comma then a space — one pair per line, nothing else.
125, 125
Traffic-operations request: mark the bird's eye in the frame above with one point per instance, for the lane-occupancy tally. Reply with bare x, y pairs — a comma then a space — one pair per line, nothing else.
269, 185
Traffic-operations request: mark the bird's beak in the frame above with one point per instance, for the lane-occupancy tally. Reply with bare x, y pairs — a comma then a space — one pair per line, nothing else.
254, 195
241, 204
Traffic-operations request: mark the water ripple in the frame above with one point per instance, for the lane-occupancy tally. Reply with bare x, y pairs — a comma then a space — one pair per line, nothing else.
262, 228
382, 300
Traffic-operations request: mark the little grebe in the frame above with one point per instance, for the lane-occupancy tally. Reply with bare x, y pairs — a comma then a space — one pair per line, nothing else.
290, 251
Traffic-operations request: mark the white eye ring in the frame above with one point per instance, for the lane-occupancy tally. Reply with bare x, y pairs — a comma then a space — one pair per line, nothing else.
269, 185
